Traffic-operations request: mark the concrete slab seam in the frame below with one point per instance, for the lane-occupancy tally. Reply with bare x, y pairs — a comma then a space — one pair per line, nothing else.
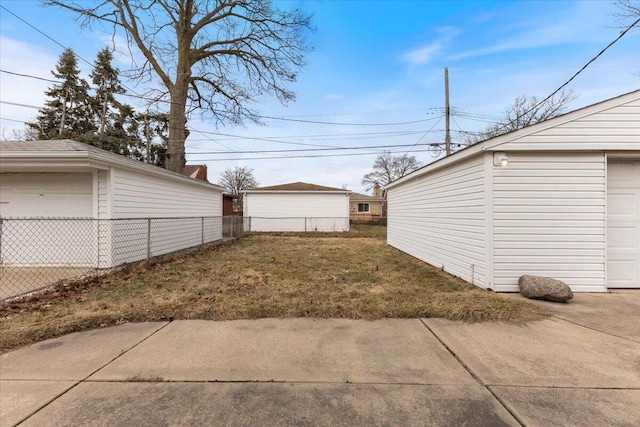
47, 403
163, 381
473, 374
561, 387
594, 329
123, 352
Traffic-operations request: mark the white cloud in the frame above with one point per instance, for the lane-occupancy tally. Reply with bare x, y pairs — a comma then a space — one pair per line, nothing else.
332, 97
424, 54
429, 51
583, 25
23, 58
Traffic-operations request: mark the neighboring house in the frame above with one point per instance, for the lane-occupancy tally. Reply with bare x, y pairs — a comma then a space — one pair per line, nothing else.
363, 208
196, 171
297, 206
560, 199
231, 205
68, 179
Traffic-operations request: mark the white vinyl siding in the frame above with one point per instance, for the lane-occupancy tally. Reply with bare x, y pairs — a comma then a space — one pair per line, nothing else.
171, 205
549, 219
623, 224
41, 241
440, 218
616, 128
102, 194
138, 195
46, 195
297, 211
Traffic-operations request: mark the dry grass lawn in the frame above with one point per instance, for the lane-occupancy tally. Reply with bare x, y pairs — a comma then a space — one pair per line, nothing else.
261, 276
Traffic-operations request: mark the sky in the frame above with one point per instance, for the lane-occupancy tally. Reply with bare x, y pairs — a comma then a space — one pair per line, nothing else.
374, 79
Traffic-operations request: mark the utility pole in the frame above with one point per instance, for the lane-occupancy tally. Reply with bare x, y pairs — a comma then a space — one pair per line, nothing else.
447, 112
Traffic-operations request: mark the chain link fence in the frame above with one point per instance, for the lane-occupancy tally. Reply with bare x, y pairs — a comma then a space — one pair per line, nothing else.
299, 224
38, 252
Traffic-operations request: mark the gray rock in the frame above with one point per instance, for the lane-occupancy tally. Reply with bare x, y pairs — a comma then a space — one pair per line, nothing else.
546, 288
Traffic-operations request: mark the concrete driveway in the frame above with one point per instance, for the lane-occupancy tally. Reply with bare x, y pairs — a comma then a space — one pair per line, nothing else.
337, 372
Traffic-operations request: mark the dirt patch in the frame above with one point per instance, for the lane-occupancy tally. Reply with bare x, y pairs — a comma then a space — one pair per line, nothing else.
256, 277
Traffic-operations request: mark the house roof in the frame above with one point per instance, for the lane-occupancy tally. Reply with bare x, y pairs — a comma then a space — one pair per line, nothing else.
502, 142
297, 187
196, 171
73, 156
357, 197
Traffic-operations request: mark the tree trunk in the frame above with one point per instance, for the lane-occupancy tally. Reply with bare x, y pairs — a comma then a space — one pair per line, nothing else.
63, 116
175, 145
175, 159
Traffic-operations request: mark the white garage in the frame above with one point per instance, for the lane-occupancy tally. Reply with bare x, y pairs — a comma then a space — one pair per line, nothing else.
559, 199
623, 224
297, 206
65, 203
46, 195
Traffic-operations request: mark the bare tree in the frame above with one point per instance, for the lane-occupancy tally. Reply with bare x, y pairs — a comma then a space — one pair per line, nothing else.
628, 9
234, 180
217, 56
387, 168
25, 134
525, 111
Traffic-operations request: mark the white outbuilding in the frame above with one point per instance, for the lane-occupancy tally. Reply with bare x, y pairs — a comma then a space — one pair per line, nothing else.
65, 203
559, 199
297, 206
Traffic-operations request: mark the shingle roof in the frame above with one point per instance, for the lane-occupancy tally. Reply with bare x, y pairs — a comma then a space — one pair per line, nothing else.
48, 145
298, 186
364, 197
196, 171
72, 149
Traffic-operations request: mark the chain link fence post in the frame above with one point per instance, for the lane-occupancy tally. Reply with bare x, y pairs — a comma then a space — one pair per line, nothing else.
148, 238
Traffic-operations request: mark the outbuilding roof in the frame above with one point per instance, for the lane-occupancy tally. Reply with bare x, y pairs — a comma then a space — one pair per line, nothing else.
357, 197
297, 187
69, 155
506, 141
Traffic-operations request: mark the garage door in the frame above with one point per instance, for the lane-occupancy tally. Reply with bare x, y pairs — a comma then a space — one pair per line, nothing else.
623, 224
30, 195
46, 242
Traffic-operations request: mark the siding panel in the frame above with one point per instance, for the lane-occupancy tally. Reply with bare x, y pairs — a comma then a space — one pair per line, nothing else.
440, 219
616, 128
297, 211
550, 220
137, 195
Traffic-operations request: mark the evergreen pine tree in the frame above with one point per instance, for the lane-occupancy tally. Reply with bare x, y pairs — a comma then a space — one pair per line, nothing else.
106, 80
67, 113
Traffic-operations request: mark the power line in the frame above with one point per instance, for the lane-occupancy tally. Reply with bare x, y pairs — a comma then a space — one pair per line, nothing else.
302, 156
29, 76
17, 104
422, 137
59, 44
288, 119
622, 34
306, 149
13, 120
342, 124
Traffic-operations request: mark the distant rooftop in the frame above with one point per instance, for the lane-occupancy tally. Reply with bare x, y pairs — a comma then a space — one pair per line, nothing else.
196, 171
298, 186
363, 197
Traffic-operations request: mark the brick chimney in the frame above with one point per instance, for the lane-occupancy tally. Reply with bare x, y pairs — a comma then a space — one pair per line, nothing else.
376, 191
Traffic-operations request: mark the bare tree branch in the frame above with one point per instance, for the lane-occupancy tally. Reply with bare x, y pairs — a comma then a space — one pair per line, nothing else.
216, 55
525, 111
388, 168
237, 179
